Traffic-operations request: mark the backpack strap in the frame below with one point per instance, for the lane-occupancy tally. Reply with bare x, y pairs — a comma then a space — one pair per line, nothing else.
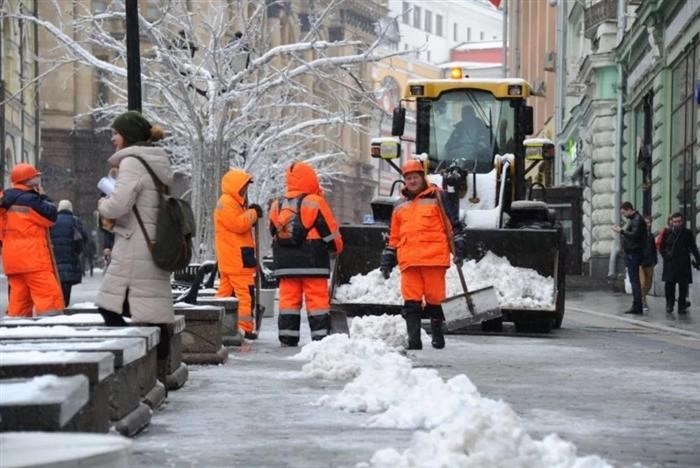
162, 189
160, 186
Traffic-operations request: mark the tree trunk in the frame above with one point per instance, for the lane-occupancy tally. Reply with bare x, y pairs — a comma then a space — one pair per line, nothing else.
206, 178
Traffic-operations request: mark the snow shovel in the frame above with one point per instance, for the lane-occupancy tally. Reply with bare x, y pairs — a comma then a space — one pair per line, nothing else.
339, 319
470, 308
259, 309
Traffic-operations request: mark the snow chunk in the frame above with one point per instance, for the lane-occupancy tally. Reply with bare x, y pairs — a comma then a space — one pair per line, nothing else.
455, 425
516, 287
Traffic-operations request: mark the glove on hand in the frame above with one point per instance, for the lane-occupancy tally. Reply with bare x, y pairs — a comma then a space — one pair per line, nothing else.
460, 249
695, 264
257, 208
387, 262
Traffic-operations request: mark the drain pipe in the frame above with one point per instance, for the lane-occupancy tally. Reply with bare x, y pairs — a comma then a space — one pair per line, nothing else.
619, 135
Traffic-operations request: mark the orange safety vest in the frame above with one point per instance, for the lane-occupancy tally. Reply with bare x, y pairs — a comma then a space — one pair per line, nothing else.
418, 232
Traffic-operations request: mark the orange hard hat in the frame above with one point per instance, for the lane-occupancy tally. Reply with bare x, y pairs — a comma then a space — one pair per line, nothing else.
412, 165
23, 172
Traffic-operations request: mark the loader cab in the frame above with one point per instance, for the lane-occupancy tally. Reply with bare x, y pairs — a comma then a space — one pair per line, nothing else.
464, 123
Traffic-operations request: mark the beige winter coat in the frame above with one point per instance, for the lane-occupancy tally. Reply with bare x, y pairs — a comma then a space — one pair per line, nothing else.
132, 268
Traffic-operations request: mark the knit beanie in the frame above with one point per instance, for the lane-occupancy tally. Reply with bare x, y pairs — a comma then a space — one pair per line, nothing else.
133, 127
65, 205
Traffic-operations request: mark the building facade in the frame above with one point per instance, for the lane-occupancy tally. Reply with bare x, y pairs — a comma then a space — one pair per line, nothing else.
432, 29
629, 116
20, 130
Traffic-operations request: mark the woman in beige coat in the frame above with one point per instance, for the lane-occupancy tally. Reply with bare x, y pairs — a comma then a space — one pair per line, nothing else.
133, 285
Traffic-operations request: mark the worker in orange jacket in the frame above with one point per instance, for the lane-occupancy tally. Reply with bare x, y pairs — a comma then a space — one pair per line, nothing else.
235, 250
422, 227
304, 232
26, 214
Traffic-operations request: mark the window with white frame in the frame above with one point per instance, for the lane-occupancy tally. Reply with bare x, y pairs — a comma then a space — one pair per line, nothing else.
416, 17
428, 23
438, 26
406, 12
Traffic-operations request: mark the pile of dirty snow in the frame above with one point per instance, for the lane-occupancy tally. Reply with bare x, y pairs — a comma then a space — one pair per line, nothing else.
454, 424
516, 287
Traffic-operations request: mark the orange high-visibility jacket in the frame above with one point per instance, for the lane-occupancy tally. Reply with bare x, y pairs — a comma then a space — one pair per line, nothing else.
233, 223
310, 259
417, 231
25, 219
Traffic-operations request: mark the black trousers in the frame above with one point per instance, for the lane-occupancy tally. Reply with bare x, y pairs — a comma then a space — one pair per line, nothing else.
113, 319
670, 290
66, 289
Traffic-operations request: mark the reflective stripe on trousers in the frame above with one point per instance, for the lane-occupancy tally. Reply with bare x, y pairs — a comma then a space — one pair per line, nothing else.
294, 292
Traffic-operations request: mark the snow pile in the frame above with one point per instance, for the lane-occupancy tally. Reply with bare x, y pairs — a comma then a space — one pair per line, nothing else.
455, 425
516, 287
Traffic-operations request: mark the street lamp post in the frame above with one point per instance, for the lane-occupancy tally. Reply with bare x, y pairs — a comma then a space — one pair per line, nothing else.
133, 55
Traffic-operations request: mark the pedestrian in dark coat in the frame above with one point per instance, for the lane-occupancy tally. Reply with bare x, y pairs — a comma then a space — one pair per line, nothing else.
633, 237
677, 247
68, 239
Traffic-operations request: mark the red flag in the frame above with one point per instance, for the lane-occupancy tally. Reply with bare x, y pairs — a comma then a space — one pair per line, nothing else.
496, 3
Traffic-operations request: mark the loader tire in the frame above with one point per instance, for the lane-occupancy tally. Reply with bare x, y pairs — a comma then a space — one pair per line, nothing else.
535, 325
557, 321
495, 325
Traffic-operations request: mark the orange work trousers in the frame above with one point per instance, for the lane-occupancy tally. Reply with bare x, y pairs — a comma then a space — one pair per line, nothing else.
423, 282
242, 287
38, 290
295, 291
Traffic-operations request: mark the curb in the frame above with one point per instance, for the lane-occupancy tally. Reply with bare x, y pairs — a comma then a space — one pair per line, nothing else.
641, 323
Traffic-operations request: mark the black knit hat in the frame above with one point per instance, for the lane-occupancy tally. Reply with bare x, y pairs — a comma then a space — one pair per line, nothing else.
133, 127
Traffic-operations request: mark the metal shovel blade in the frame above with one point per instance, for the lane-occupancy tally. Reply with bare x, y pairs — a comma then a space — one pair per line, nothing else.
458, 314
339, 321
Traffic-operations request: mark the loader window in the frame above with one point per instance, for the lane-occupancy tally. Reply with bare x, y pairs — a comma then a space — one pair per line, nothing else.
468, 127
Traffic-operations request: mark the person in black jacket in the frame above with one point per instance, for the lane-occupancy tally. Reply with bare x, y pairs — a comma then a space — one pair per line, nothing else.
68, 239
676, 248
634, 237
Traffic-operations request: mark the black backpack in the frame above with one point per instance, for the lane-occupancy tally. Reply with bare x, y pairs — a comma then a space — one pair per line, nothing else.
291, 232
175, 227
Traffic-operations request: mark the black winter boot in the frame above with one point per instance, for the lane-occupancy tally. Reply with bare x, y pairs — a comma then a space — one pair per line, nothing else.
411, 313
436, 319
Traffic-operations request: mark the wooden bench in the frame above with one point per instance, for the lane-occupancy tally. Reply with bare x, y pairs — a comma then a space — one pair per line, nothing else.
43, 403
128, 415
152, 392
97, 367
202, 337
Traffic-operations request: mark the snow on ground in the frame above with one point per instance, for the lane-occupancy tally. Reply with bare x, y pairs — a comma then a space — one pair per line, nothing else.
516, 287
455, 425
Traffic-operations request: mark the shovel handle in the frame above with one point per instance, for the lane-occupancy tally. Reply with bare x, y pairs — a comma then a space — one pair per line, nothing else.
258, 274
467, 296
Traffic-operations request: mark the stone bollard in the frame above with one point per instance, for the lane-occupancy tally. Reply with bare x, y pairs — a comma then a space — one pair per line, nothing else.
229, 325
202, 337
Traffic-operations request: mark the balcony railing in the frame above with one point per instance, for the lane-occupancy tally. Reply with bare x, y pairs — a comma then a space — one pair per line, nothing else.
597, 13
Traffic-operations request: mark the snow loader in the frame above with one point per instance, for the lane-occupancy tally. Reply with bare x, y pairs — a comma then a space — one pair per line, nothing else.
471, 134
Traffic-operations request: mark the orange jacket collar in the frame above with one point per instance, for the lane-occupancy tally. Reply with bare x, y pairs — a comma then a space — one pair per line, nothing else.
301, 178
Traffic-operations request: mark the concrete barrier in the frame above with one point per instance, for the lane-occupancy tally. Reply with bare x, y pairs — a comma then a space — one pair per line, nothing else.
152, 392
230, 336
57, 450
202, 337
97, 367
172, 371
127, 414
43, 403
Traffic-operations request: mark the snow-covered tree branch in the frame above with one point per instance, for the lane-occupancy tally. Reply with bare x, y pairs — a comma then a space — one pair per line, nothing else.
228, 93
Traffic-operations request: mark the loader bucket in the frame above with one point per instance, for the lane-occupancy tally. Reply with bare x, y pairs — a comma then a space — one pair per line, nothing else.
539, 249
363, 245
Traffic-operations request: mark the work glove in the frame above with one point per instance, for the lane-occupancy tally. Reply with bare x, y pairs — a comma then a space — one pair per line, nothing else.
257, 208
460, 249
695, 264
387, 262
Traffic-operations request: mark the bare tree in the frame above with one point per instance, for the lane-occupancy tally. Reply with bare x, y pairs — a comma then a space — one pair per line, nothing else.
227, 92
